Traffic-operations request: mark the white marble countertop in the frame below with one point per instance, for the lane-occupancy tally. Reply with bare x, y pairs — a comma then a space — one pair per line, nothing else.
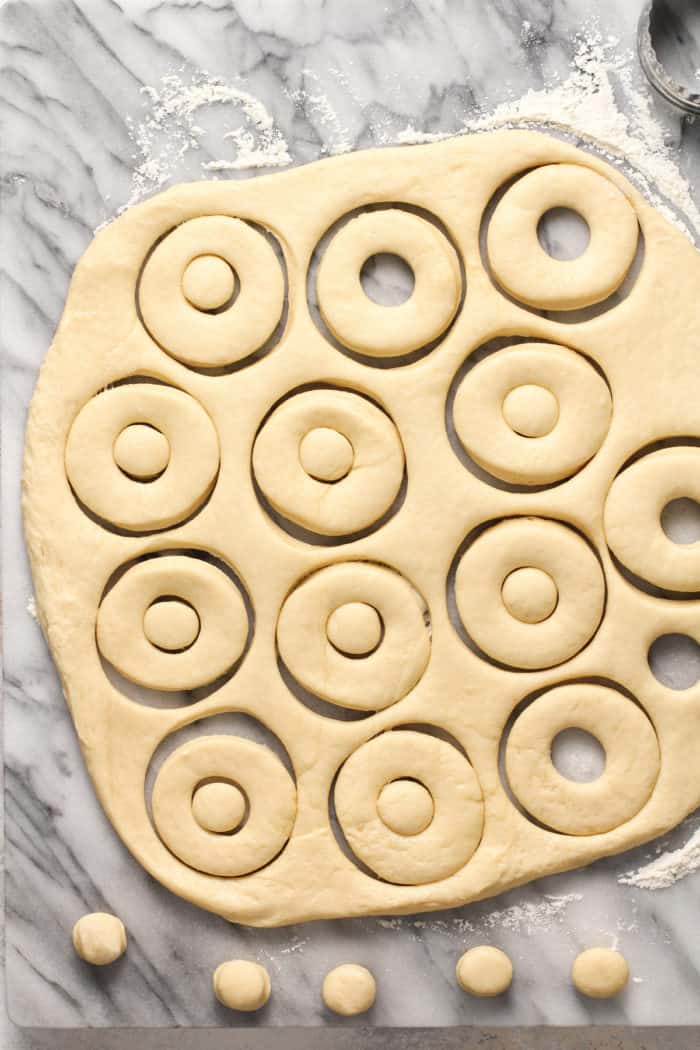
81, 139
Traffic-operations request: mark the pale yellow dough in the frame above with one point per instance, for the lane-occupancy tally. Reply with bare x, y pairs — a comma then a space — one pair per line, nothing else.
600, 973
485, 971
99, 938
349, 990
404, 541
242, 985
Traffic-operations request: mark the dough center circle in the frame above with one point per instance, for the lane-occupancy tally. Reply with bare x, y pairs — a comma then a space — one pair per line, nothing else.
218, 806
530, 410
354, 629
326, 454
208, 282
171, 625
530, 595
141, 451
406, 807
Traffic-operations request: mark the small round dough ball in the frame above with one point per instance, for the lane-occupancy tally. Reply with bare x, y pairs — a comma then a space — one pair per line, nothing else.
99, 938
530, 595
355, 628
218, 806
349, 989
484, 971
171, 625
600, 973
326, 454
406, 807
242, 985
141, 451
530, 410
208, 282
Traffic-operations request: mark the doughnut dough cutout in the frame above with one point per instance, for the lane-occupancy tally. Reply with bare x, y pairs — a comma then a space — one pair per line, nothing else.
320, 639
526, 271
485, 971
532, 414
530, 592
311, 478
99, 938
574, 807
268, 789
388, 331
108, 473
158, 644
349, 990
633, 512
600, 973
183, 276
242, 985
416, 856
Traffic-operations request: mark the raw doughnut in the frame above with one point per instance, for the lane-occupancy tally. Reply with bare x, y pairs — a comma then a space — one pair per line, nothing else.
484, 971
388, 331
99, 938
287, 469
522, 266
242, 985
349, 989
600, 973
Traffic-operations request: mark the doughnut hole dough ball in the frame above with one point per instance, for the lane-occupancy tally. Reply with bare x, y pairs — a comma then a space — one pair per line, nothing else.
526, 271
532, 414
208, 282
171, 625
242, 985
485, 971
405, 806
530, 595
354, 628
141, 451
349, 990
325, 454
600, 973
99, 938
218, 806
388, 331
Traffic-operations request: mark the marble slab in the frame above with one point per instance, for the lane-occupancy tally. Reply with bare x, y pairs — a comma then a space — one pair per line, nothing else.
72, 101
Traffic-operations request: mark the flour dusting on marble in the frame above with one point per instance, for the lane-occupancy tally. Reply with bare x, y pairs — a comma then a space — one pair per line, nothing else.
531, 915
668, 868
31, 608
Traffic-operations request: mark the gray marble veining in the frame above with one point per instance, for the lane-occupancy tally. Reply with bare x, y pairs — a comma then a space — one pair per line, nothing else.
73, 74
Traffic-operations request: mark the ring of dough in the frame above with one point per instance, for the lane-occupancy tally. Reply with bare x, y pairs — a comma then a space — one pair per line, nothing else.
198, 337
631, 760
358, 499
453, 834
530, 543
527, 272
367, 683
585, 410
633, 511
270, 791
126, 502
214, 597
388, 331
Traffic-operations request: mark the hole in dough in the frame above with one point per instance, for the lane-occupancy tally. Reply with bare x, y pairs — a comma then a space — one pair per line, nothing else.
141, 452
563, 233
578, 756
326, 454
674, 660
680, 520
530, 410
387, 279
171, 624
355, 629
405, 806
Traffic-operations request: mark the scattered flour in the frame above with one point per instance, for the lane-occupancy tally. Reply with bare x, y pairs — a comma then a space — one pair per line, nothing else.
525, 918
318, 108
667, 868
31, 608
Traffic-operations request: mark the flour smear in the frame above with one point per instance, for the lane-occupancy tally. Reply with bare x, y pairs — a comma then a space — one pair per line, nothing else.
668, 868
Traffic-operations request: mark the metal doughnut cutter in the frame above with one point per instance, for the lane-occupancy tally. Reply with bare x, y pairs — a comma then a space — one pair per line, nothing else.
671, 27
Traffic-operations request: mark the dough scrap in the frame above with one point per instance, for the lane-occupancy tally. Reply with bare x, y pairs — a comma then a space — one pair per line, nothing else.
485, 971
349, 990
465, 493
99, 938
600, 973
242, 985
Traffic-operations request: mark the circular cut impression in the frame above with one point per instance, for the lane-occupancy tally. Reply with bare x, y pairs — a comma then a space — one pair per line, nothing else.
532, 414
268, 787
355, 628
633, 510
95, 462
583, 807
287, 469
530, 592
141, 451
386, 673
218, 806
405, 806
183, 326
128, 618
527, 272
447, 841
388, 331
242, 985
